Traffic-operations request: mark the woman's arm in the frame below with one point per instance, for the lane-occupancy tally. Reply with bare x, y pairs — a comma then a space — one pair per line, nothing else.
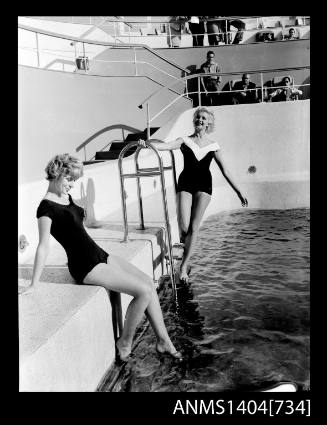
219, 160
42, 250
163, 146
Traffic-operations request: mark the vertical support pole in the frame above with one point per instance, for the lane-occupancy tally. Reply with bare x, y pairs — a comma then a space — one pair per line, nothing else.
116, 314
148, 121
37, 50
135, 61
169, 33
199, 92
139, 191
186, 84
84, 153
123, 200
261, 78
129, 34
84, 56
173, 166
115, 32
170, 252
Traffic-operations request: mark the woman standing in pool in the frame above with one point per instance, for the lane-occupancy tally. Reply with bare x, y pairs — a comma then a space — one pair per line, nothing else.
59, 216
195, 181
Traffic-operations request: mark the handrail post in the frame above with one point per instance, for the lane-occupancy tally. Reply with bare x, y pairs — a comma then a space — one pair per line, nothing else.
169, 33
186, 84
135, 61
84, 56
139, 191
84, 153
261, 78
123, 199
170, 250
148, 121
199, 93
115, 32
129, 34
37, 50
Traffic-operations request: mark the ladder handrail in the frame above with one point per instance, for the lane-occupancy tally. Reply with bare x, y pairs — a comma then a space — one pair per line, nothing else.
103, 43
138, 174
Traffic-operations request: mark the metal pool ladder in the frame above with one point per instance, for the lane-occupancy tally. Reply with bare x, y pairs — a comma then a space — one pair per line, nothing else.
148, 172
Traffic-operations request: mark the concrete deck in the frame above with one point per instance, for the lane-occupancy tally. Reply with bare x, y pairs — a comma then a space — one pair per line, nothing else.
65, 330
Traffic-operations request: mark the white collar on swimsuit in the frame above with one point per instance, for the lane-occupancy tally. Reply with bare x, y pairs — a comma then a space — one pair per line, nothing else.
199, 152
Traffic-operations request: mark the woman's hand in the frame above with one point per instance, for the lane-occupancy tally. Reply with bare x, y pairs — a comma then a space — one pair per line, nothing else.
142, 143
244, 201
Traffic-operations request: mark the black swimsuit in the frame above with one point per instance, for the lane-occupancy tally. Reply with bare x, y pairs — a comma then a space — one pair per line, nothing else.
196, 175
67, 228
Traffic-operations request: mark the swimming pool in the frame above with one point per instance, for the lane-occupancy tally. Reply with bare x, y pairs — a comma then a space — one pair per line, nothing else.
243, 321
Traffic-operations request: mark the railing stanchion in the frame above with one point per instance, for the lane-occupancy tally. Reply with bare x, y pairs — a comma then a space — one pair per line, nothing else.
261, 79
84, 153
84, 56
139, 191
169, 33
37, 50
135, 61
148, 121
129, 34
186, 85
199, 93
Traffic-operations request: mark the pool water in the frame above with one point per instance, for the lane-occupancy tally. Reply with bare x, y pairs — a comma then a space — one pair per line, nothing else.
243, 320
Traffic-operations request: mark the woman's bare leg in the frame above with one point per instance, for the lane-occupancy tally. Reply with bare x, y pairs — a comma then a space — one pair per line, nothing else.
115, 277
121, 276
153, 311
200, 202
184, 202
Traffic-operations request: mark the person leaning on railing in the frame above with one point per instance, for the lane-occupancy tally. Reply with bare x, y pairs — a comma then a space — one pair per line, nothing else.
214, 30
177, 24
238, 24
210, 84
197, 29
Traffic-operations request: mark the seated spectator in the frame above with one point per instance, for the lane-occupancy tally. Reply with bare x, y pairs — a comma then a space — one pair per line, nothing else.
246, 95
197, 29
292, 34
210, 84
285, 93
265, 36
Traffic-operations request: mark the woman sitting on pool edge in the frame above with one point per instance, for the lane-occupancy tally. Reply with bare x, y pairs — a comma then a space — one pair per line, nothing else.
194, 187
59, 216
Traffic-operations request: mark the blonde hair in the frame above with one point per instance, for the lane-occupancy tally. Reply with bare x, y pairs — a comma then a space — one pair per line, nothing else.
211, 125
64, 165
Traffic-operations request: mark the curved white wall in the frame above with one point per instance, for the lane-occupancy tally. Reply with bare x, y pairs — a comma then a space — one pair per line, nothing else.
273, 137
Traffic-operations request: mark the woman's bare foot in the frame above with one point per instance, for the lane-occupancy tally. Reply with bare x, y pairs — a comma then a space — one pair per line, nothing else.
124, 350
167, 348
184, 277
